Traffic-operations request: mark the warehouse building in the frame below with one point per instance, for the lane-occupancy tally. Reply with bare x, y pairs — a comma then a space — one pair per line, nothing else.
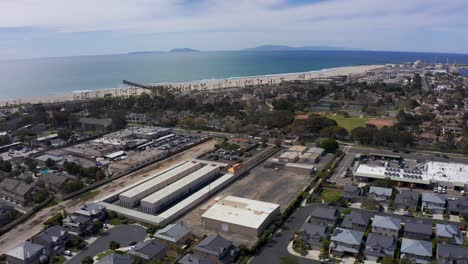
156, 201
449, 175
240, 216
132, 197
289, 157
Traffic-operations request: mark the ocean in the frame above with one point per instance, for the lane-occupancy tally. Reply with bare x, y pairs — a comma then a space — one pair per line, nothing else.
40, 77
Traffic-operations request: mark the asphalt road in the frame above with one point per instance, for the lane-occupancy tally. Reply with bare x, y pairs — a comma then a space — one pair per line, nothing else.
123, 234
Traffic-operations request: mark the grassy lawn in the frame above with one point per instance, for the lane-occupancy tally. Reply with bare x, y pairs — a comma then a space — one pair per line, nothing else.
104, 254
348, 122
330, 195
53, 202
58, 260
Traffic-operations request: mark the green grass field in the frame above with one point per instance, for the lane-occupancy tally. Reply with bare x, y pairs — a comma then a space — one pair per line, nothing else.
352, 122
348, 122
330, 195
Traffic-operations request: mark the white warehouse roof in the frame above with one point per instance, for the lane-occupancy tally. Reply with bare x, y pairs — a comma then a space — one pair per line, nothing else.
457, 173
160, 179
241, 211
176, 186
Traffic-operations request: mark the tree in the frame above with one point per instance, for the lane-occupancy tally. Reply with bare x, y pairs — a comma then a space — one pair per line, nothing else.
113, 245
87, 260
330, 145
278, 142
335, 132
289, 260
407, 260
50, 163
65, 134
6, 166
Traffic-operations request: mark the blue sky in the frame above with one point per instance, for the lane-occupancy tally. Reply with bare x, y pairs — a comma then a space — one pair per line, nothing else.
43, 28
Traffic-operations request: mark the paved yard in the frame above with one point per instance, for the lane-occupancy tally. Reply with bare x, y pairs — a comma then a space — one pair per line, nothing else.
124, 235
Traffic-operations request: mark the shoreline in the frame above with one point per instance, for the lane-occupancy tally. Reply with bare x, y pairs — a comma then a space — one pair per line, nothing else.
209, 84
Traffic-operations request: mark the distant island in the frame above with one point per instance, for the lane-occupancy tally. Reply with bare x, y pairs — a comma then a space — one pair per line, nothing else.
288, 48
184, 50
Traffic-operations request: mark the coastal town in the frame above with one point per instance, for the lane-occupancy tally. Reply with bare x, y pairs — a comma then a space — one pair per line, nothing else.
365, 164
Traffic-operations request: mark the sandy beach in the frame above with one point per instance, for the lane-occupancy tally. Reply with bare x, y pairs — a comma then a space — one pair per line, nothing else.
196, 85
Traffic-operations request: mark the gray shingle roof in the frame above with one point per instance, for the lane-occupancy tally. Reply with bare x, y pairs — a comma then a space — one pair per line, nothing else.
355, 218
315, 229
449, 231
452, 251
324, 212
24, 250
380, 191
148, 249
387, 222
405, 196
433, 198
173, 233
377, 240
116, 259
52, 234
458, 205
416, 247
192, 259
215, 245
419, 228
347, 236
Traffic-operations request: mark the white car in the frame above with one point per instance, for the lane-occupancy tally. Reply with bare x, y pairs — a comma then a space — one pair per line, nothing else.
67, 253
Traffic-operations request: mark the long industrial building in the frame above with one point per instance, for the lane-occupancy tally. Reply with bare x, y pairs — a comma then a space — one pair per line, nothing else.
156, 201
132, 197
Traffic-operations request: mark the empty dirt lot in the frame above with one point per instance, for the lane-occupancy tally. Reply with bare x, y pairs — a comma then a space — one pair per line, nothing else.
260, 184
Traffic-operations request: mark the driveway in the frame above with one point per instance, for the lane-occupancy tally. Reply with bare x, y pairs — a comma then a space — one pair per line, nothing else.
123, 234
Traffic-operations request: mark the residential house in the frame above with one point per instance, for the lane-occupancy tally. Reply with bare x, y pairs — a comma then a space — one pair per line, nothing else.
314, 234
448, 234
27, 253
192, 259
77, 225
15, 191
356, 221
415, 230
148, 250
324, 216
53, 239
173, 234
94, 211
345, 242
115, 258
352, 193
451, 254
379, 246
216, 249
433, 203
379, 194
386, 225
458, 206
407, 200
55, 181
419, 250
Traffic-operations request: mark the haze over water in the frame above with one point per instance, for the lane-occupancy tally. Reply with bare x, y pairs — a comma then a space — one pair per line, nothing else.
39, 77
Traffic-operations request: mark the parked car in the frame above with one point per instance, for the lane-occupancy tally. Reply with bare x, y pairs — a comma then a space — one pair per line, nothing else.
67, 253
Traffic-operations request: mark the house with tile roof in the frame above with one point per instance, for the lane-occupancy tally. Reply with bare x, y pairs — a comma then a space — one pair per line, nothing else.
416, 230
378, 246
356, 221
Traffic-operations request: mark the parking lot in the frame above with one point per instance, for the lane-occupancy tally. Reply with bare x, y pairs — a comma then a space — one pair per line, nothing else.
172, 141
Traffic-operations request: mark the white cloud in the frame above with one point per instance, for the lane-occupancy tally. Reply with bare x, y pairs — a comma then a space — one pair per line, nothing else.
346, 21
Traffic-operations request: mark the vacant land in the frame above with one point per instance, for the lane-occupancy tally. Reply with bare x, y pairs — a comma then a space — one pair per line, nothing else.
381, 122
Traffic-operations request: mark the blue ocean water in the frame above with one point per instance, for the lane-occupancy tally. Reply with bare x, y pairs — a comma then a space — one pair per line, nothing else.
38, 77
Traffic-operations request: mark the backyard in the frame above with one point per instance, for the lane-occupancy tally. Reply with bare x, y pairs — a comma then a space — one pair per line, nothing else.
330, 195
